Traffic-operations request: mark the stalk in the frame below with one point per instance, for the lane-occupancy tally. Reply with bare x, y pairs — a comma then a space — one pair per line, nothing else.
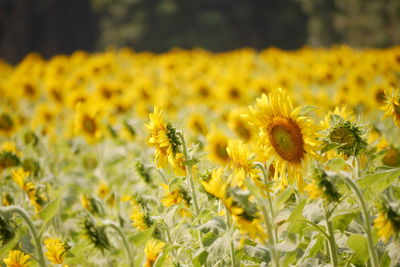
366, 220
267, 221
331, 240
189, 175
191, 184
21, 212
231, 246
124, 241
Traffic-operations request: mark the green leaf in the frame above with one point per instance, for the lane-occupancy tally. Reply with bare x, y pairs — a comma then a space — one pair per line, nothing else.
393, 249
204, 214
209, 238
336, 164
297, 213
308, 108
191, 162
200, 258
141, 237
257, 254
254, 190
8, 246
343, 219
380, 180
290, 244
161, 259
51, 209
314, 246
358, 243
215, 225
282, 197
174, 184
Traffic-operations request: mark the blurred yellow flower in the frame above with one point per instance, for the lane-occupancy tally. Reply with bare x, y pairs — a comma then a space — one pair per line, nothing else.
152, 251
17, 258
55, 250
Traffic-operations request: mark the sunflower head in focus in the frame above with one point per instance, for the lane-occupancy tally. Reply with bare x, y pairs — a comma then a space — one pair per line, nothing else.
285, 135
392, 105
345, 137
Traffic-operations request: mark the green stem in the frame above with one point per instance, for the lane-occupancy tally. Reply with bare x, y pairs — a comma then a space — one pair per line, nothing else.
272, 242
331, 239
191, 184
124, 241
20, 211
322, 231
231, 247
366, 220
189, 175
269, 202
161, 175
357, 169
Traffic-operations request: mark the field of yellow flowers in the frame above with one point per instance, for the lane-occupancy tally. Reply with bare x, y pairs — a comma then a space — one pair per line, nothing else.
191, 158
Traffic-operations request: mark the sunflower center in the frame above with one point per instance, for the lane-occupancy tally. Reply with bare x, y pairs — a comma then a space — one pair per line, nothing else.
89, 125
5, 122
286, 138
343, 135
220, 151
243, 131
380, 96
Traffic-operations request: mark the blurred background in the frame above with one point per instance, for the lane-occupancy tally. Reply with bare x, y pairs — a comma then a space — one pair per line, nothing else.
62, 26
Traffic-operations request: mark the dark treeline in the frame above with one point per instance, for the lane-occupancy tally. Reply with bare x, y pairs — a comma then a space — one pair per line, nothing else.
62, 26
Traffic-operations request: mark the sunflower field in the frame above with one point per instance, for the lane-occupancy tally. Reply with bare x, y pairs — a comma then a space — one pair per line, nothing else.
192, 158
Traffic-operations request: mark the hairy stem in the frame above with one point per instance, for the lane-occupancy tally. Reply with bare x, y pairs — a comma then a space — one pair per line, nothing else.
124, 242
331, 239
21, 212
366, 220
231, 246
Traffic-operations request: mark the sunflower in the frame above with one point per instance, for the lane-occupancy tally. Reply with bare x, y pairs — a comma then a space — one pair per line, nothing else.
166, 142
392, 157
139, 217
17, 258
322, 186
285, 135
103, 190
240, 160
384, 226
197, 124
152, 251
176, 197
7, 124
55, 250
240, 125
86, 123
217, 143
388, 220
392, 105
216, 186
